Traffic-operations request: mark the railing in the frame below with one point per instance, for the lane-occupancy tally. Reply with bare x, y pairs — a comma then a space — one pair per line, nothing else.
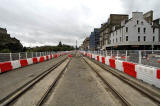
145, 57
22, 55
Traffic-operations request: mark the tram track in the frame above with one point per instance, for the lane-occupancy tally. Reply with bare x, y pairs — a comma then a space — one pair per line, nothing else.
141, 89
123, 100
14, 96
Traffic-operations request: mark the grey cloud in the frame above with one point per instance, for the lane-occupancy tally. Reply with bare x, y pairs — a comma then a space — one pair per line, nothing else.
31, 24
142, 6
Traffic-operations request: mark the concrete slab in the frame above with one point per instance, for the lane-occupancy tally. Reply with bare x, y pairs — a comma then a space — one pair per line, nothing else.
79, 87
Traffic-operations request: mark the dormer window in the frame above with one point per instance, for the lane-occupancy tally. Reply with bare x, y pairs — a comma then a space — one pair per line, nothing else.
137, 22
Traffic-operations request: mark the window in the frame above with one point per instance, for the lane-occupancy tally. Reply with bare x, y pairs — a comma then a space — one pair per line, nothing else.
120, 39
126, 29
144, 38
142, 22
153, 38
153, 30
144, 30
113, 40
138, 29
137, 22
138, 38
126, 38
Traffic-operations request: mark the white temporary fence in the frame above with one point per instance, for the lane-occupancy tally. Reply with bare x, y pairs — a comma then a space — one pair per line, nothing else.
23, 55
145, 57
148, 74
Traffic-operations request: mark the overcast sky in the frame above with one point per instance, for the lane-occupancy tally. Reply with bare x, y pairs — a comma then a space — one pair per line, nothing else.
46, 22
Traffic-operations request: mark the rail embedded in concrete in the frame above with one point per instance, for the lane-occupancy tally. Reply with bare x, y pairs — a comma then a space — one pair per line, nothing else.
148, 74
143, 90
24, 88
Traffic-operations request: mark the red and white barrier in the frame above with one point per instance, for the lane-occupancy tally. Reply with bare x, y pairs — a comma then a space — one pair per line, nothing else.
100, 59
30, 61
148, 74
8, 66
119, 65
107, 60
15, 64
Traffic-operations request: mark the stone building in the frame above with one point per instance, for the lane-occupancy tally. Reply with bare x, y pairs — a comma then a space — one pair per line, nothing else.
137, 33
106, 28
85, 45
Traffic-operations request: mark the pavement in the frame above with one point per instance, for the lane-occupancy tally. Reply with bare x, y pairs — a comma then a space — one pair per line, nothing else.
79, 87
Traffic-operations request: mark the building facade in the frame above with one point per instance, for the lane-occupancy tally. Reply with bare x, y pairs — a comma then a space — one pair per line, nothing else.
85, 45
135, 33
94, 39
106, 28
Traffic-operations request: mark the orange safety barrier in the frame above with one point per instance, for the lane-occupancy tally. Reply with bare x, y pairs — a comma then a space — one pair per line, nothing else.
158, 73
6, 66
112, 63
35, 60
129, 68
103, 60
23, 62
97, 58
41, 59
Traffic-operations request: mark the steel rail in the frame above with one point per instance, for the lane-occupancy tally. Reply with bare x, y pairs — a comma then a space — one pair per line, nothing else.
148, 93
20, 91
123, 100
53, 85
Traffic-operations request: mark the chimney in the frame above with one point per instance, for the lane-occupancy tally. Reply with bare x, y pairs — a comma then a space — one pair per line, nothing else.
137, 15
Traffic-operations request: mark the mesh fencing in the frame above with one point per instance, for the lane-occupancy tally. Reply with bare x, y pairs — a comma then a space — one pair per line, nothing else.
23, 55
145, 57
